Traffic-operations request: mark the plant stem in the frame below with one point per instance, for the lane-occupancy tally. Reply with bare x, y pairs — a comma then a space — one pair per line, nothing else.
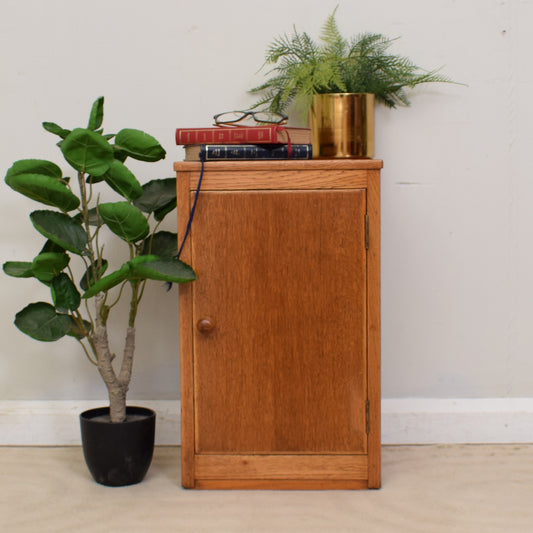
95, 363
134, 303
116, 390
85, 213
117, 385
117, 300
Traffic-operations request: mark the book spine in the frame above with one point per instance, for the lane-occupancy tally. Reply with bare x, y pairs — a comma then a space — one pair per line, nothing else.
245, 152
229, 135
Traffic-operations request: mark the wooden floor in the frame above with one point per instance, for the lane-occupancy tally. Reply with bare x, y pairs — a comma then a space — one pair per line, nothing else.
426, 489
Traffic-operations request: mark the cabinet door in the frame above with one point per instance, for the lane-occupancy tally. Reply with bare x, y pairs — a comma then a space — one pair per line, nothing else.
280, 365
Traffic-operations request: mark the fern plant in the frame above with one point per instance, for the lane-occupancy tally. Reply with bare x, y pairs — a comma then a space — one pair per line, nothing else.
361, 64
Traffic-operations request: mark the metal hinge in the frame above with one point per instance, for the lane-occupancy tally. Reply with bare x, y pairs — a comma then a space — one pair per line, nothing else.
367, 230
367, 417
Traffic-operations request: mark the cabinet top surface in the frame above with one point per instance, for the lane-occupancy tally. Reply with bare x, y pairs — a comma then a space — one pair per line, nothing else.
314, 164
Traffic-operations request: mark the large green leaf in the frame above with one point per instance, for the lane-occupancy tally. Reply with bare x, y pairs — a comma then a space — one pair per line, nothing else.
118, 276
35, 166
64, 293
120, 155
60, 229
44, 189
157, 194
144, 267
108, 282
147, 258
18, 269
50, 246
52, 127
160, 214
125, 220
139, 145
94, 218
87, 151
93, 272
94, 179
46, 266
79, 331
163, 244
172, 270
97, 114
121, 179
40, 321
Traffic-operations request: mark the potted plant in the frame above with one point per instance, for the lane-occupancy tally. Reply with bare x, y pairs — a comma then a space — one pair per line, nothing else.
337, 80
84, 295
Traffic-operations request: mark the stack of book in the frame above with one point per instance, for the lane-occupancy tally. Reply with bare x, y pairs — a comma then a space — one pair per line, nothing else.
239, 143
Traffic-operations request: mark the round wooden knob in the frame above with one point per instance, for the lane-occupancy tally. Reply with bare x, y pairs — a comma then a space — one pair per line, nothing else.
205, 325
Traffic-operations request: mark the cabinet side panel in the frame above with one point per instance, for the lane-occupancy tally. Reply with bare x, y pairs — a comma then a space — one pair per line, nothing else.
186, 340
374, 332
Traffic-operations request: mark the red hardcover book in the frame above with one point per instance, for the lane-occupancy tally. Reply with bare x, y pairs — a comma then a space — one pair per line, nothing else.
272, 134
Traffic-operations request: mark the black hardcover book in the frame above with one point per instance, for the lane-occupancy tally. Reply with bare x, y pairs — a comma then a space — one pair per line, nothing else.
241, 152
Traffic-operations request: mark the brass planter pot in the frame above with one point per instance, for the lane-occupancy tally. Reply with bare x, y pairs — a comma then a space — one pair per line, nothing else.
342, 125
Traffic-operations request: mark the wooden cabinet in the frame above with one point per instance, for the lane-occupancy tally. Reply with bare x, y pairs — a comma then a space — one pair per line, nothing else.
279, 335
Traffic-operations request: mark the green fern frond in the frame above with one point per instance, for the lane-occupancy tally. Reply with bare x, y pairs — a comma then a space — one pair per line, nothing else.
335, 44
299, 47
362, 64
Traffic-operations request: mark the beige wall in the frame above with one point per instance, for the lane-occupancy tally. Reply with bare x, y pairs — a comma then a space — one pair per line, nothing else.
457, 183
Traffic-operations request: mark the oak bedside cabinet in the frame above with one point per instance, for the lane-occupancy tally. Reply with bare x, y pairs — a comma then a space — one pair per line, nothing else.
280, 333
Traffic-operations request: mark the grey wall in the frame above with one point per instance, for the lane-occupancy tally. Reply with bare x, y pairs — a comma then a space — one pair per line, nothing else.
457, 181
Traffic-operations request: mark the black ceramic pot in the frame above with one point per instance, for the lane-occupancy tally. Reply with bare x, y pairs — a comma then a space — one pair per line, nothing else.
118, 454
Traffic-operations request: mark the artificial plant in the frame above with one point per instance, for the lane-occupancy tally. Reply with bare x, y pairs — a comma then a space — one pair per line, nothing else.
304, 67
80, 226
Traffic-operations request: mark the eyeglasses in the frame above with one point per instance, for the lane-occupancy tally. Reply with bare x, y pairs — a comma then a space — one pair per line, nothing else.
266, 117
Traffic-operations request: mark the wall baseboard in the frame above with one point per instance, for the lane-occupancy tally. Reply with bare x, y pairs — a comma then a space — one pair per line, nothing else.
56, 423
404, 421
457, 421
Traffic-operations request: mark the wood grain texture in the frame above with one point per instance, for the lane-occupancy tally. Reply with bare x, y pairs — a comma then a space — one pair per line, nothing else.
280, 484
374, 331
282, 166
309, 467
186, 341
216, 180
282, 274
282, 340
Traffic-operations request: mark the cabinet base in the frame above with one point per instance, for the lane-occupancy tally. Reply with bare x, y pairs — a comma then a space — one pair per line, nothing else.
292, 472
277, 484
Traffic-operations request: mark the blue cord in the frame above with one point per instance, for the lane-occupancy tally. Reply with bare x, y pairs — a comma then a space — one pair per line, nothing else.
191, 216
